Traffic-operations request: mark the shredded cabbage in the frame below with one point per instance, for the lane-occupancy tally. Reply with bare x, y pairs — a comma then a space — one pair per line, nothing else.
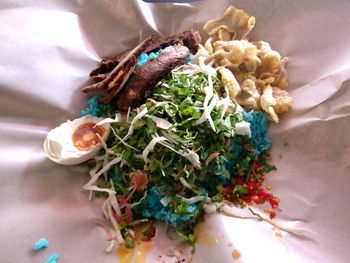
137, 117
150, 146
160, 122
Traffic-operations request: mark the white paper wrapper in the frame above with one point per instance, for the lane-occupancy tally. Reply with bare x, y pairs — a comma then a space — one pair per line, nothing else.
49, 47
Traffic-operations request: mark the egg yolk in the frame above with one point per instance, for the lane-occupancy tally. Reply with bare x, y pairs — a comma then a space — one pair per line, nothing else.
85, 136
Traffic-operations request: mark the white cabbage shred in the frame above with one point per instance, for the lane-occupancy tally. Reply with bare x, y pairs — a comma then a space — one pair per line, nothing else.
135, 119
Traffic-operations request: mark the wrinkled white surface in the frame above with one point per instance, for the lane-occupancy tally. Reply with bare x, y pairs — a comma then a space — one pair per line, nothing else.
49, 47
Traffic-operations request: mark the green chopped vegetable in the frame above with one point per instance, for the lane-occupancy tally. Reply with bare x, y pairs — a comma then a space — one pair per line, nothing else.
178, 152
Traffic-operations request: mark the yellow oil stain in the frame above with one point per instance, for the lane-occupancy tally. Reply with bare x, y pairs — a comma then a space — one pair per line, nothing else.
207, 240
203, 237
236, 254
278, 234
137, 254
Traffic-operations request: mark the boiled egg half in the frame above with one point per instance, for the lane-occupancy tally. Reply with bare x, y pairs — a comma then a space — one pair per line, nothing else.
77, 141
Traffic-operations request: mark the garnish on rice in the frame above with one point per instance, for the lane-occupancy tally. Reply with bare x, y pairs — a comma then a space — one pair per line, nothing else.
188, 131
187, 146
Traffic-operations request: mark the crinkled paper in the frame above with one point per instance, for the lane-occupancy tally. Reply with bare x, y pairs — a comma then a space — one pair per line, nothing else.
47, 51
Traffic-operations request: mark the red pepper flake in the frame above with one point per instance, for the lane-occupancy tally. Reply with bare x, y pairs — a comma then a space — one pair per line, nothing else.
251, 186
272, 213
255, 199
239, 181
247, 198
263, 194
274, 202
256, 166
256, 193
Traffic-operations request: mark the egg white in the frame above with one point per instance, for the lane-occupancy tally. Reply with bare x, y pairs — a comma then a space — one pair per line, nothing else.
59, 146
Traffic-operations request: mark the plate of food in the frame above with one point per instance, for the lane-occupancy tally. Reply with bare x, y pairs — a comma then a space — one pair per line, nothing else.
174, 132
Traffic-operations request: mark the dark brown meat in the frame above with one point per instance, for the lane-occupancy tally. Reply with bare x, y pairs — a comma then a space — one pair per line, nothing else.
118, 76
114, 87
148, 75
107, 64
104, 67
189, 38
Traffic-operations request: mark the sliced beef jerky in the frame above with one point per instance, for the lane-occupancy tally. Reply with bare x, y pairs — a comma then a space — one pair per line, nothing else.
118, 76
148, 75
107, 64
188, 38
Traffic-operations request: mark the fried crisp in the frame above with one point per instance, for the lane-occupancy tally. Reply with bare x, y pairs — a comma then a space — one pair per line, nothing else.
229, 80
234, 24
283, 100
267, 102
259, 77
249, 97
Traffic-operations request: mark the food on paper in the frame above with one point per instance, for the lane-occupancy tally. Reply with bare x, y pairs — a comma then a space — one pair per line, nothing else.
188, 129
